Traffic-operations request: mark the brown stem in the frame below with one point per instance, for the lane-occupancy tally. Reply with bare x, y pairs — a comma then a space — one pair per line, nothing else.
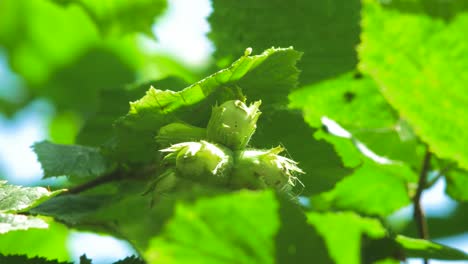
116, 175
418, 210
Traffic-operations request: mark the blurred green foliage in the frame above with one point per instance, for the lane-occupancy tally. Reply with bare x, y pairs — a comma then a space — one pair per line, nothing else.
390, 74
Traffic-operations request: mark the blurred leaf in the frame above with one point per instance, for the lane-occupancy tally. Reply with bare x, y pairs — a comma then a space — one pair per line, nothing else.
450, 225
97, 129
457, 183
64, 127
343, 231
446, 9
85, 260
423, 59
112, 208
122, 16
19, 199
387, 261
32, 242
351, 100
198, 234
419, 248
21, 259
136, 130
355, 103
130, 260
74, 209
375, 189
12, 222
329, 46
68, 67
77, 85
296, 240
71, 160
350, 155
33, 54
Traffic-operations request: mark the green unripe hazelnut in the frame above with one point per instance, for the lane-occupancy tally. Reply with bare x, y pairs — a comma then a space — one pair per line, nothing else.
258, 169
179, 132
202, 161
233, 123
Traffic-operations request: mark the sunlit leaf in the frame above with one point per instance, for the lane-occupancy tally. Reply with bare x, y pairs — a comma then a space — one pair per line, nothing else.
12, 222
457, 183
22, 259
18, 199
122, 16
71, 160
326, 31
421, 72
136, 130
420, 248
343, 231
32, 242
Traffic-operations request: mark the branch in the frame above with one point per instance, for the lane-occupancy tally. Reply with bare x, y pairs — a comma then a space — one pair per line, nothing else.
116, 175
113, 176
441, 173
418, 210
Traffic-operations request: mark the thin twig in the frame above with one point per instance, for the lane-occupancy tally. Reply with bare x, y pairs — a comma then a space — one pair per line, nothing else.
114, 176
418, 210
441, 173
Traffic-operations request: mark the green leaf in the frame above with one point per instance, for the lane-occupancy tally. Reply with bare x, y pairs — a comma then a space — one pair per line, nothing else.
457, 182
387, 261
113, 104
412, 77
11, 222
21, 259
85, 260
375, 189
70, 72
419, 248
19, 199
130, 260
322, 166
350, 155
112, 208
350, 99
296, 240
33, 54
136, 130
306, 25
377, 185
157, 105
343, 231
74, 209
356, 104
198, 233
50, 243
71, 160
435, 8
122, 16
14, 199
